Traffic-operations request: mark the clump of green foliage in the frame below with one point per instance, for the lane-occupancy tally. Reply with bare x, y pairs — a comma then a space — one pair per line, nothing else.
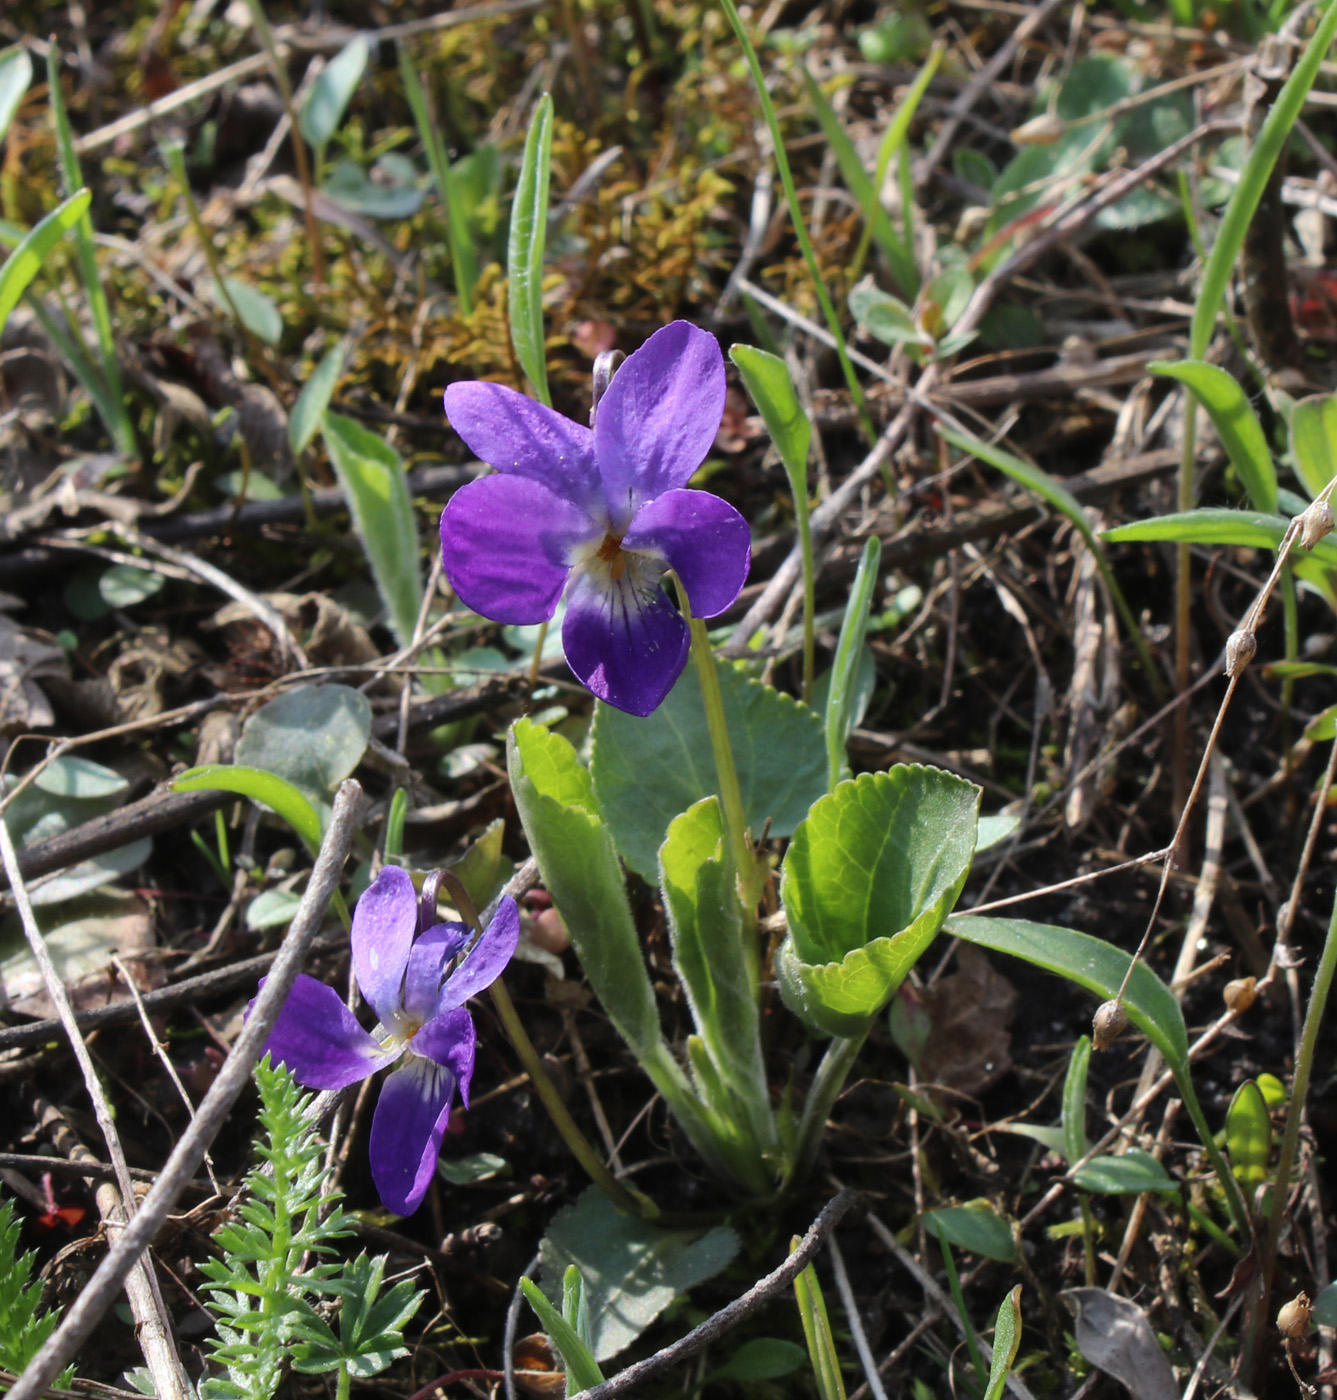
23, 1324
269, 1307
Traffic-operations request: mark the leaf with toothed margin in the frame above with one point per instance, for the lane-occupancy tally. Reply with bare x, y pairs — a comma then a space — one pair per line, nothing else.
648, 771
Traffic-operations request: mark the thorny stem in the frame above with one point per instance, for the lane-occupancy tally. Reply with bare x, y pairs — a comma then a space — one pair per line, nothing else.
626, 1200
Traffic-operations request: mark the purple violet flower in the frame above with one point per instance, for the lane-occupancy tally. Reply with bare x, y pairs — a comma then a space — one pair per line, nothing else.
419, 996
600, 513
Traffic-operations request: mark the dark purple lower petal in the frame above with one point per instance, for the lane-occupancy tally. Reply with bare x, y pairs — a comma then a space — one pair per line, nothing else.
450, 1040
705, 540
506, 545
622, 637
320, 1041
406, 1131
486, 959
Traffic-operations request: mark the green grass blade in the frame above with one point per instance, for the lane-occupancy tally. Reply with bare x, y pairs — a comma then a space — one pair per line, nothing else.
72, 352
24, 263
120, 427
796, 216
857, 181
817, 1333
845, 669
581, 1368
278, 794
1057, 495
15, 77
1246, 195
1227, 405
524, 251
372, 477
463, 255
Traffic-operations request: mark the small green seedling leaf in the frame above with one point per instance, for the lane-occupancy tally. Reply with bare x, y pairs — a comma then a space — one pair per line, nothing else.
1314, 440
1006, 1344
372, 477
307, 412
761, 1359
817, 1333
1236, 423
767, 379
1249, 1135
839, 716
330, 94
582, 1371
254, 309
1134, 1172
1075, 1143
976, 1227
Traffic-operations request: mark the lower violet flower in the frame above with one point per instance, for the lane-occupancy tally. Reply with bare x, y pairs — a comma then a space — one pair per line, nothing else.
414, 986
600, 512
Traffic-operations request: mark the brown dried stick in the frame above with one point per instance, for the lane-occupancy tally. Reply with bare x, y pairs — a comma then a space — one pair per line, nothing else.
761, 1292
87, 1310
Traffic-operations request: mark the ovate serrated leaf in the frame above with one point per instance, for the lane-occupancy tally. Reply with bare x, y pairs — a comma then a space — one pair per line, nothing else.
870, 875
632, 1270
647, 771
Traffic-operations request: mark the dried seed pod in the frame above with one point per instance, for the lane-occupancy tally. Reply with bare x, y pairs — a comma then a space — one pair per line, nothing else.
1109, 1023
1293, 1319
1316, 522
1043, 130
1240, 993
1240, 649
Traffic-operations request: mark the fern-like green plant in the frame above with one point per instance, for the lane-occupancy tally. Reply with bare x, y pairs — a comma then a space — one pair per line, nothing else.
23, 1324
264, 1298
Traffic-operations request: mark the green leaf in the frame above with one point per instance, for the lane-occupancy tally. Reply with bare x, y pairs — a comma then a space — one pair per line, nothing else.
1236, 423
632, 1269
80, 778
1131, 1174
994, 830
976, 1227
647, 771
124, 585
270, 791
705, 927
525, 248
1325, 1307
314, 736
370, 1324
581, 1368
1006, 1343
839, 717
330, 94
1249, 1135
767, 379
817, 1333
872, 872
859, 184
24, 1326
1267, 147
478, 1166
307, 412
761, 1359
1314, 440
91, 874
1213, 525
24, 263
15, 76
372, 477
253, 308
576, 859
887, 318
1075, 1142
272, 909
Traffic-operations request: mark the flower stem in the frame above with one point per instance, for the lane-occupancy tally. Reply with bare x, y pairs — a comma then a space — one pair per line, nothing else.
624, 1198
822, 1095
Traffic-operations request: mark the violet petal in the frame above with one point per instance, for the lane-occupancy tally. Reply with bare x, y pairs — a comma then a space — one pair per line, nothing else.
451, 1040
507, 544
486, 960
705, 540
428, 959
623, 638
320, 1041
406, 1131
384, 922
659, 417
522, 438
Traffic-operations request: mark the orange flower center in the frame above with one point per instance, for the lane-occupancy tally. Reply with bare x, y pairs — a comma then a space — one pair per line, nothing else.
610, 551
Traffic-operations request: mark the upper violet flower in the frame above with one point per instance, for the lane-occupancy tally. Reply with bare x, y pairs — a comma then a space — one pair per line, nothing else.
600, 512
419, 995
